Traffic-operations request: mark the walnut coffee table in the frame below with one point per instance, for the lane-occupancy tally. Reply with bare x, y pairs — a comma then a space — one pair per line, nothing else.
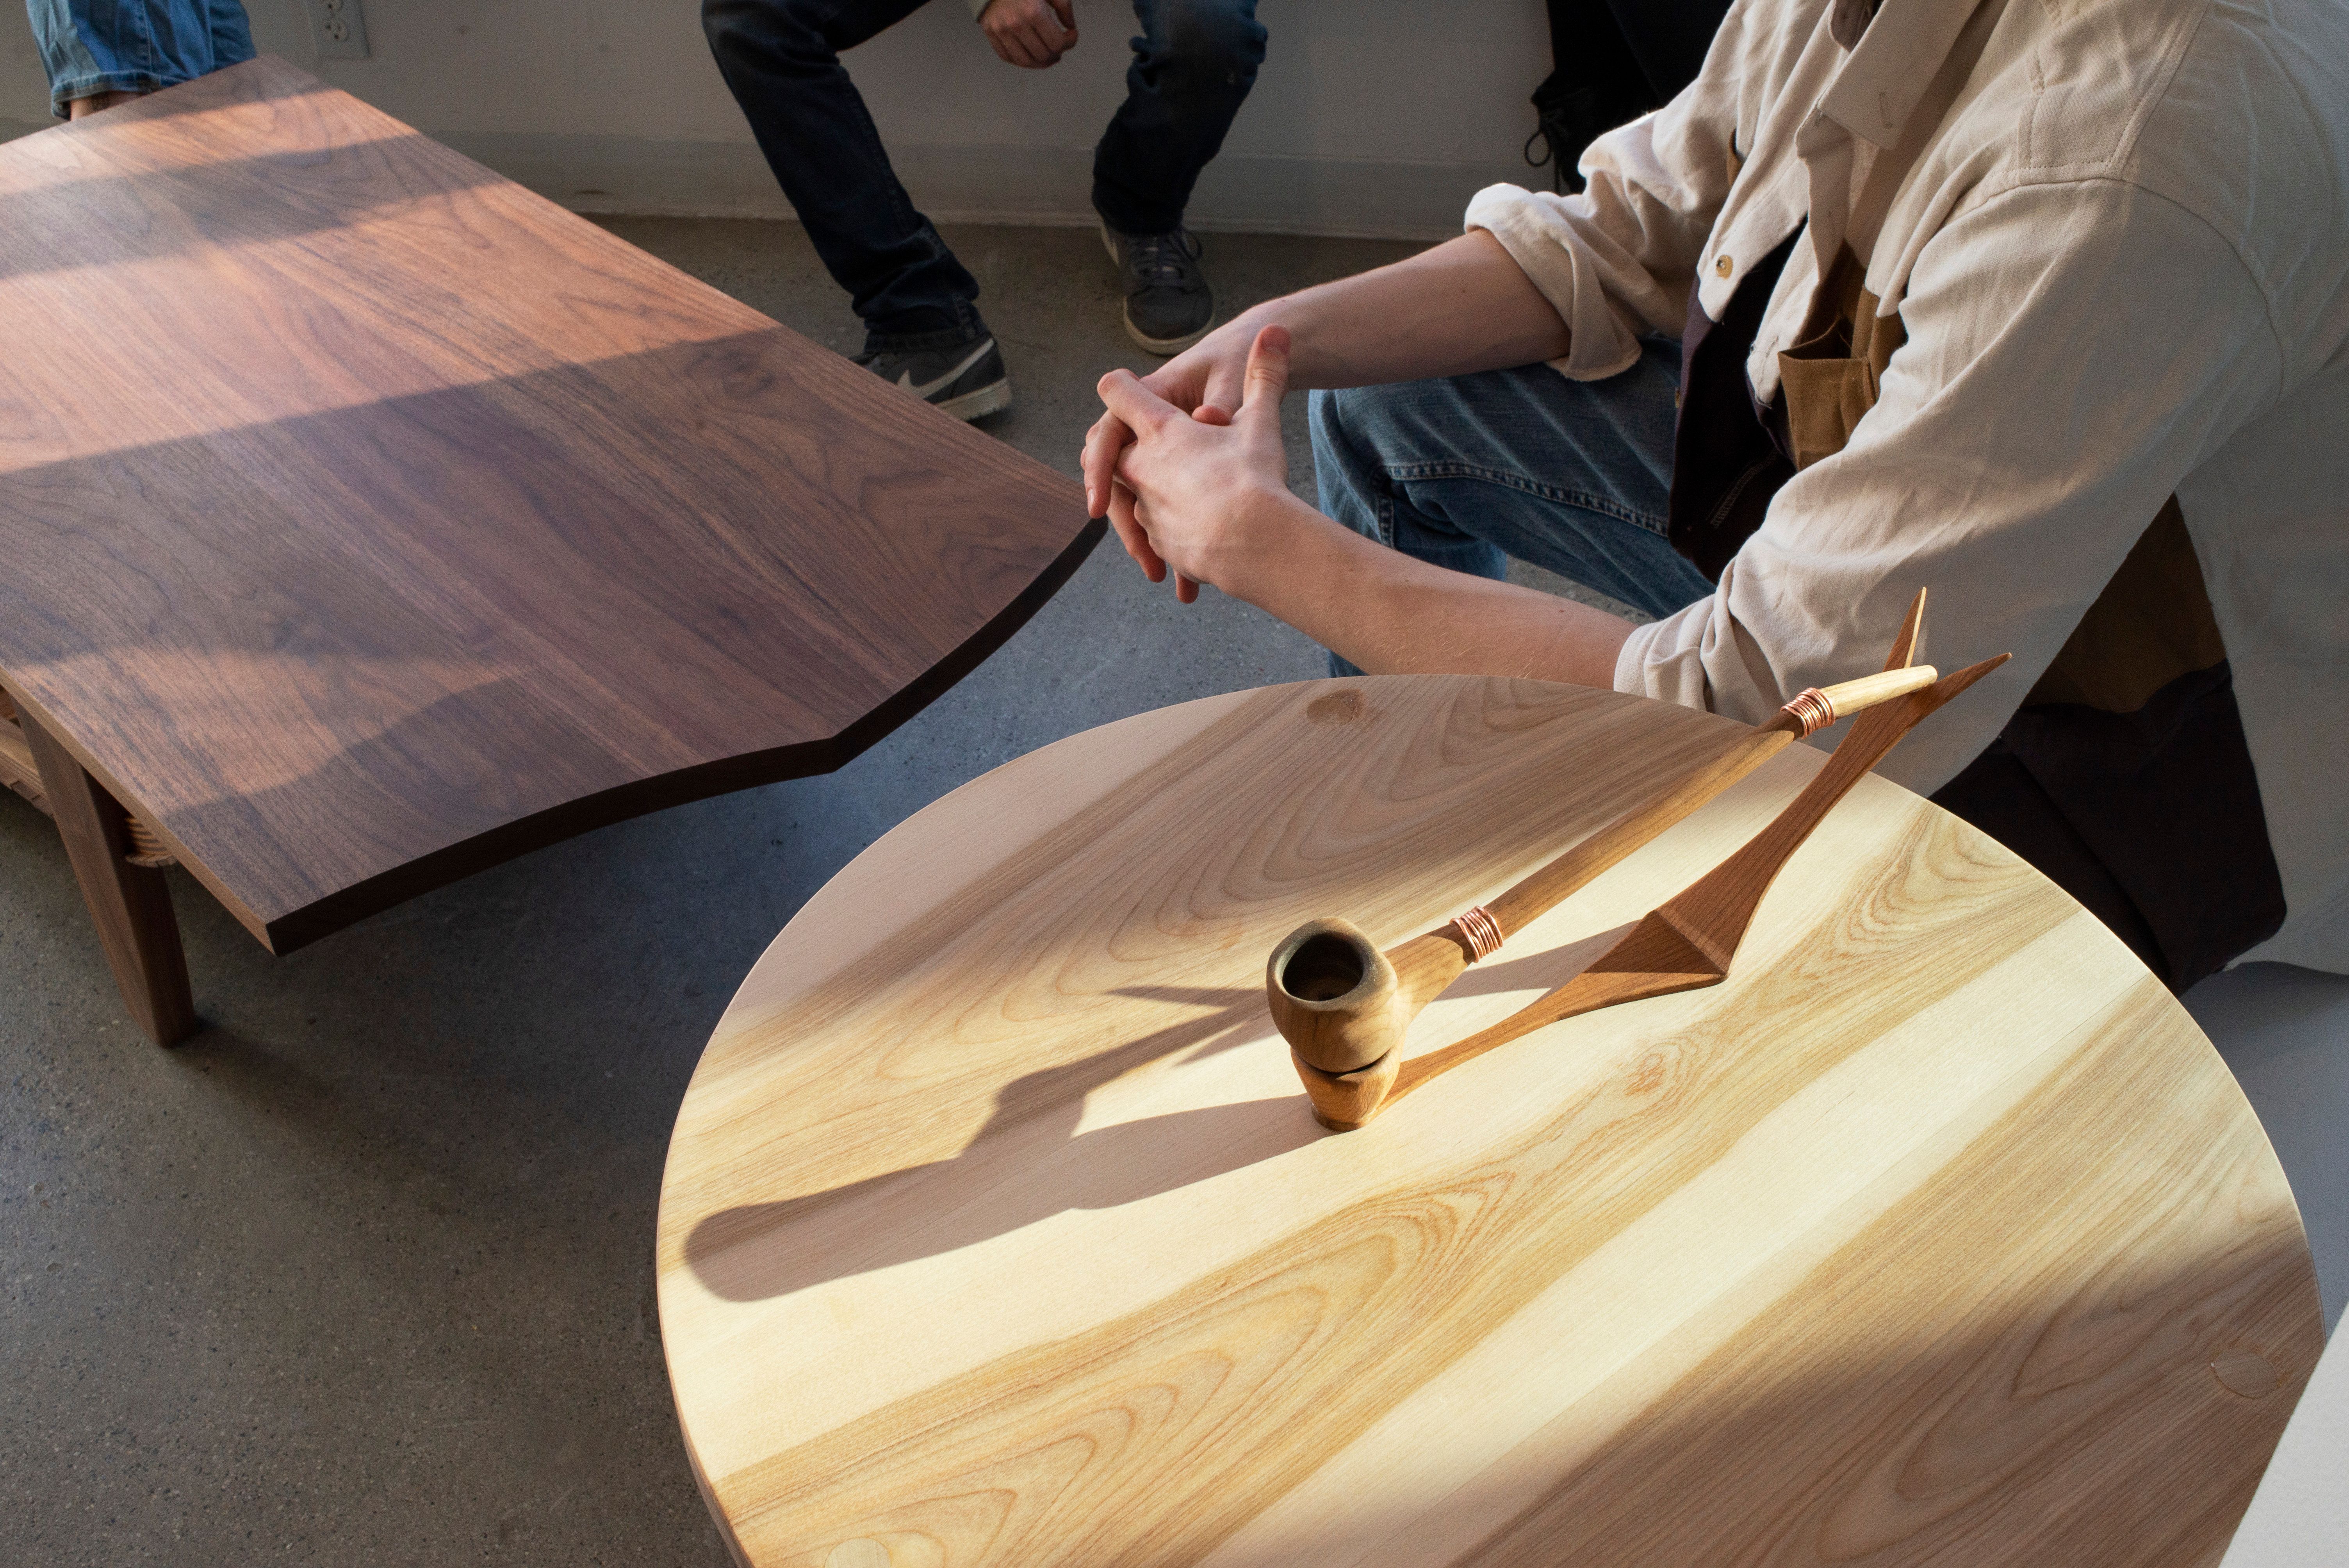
366, 520
996, 1230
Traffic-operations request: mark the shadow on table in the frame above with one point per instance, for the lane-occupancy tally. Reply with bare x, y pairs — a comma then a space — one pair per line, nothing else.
1030, 1161
1027, 1163
636, 625
269, 198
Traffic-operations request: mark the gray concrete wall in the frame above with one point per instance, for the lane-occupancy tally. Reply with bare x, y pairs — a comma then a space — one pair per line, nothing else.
1374, 117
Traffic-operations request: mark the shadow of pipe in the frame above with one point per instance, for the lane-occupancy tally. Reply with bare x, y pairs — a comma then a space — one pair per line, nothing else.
995, 1187
1027, 1163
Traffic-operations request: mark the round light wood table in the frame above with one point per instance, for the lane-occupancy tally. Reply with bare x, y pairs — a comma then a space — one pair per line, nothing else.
996, 1230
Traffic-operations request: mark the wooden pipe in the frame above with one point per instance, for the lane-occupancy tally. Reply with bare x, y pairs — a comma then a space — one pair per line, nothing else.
1342, 1004
1681, 946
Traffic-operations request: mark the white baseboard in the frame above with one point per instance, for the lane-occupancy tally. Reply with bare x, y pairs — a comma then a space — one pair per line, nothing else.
1260, 193
1250, 192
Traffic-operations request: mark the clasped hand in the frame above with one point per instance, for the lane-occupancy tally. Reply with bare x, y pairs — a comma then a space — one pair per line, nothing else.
1030, 33
1189, 464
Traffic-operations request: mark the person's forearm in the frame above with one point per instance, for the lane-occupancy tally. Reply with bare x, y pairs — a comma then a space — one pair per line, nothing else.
1458, 308
1391, 614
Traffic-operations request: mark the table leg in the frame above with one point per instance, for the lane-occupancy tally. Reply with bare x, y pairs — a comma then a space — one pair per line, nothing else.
17, 769
131, 906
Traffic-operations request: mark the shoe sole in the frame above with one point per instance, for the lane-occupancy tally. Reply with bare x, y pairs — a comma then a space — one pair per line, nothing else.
1164, 347
991, 400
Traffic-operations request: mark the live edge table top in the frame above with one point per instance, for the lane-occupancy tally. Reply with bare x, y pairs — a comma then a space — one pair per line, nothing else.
995, 1232
366, 519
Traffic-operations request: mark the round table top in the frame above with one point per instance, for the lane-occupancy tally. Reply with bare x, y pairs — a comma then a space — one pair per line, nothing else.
995, 1229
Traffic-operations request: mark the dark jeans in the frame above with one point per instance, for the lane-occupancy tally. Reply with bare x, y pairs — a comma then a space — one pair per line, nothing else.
1192, 68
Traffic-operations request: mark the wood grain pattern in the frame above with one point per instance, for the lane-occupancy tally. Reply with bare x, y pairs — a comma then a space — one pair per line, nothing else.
366, 519
996, 1230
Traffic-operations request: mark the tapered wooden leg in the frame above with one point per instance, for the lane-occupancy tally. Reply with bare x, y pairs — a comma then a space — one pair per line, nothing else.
131, 906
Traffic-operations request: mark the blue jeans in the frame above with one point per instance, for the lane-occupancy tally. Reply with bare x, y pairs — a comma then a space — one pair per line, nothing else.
1193, 66
1467, 472
93, 46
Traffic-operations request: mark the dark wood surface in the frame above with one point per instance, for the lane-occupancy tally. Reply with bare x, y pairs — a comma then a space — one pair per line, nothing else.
366, 520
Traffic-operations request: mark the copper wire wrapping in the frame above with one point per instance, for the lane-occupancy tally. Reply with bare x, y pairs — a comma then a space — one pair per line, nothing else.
1812, 710
1479, 930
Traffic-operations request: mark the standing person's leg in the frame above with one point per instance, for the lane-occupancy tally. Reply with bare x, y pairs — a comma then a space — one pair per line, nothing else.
1466, 472
1193, 66
97, 53
782, 60
101, 53
231, 33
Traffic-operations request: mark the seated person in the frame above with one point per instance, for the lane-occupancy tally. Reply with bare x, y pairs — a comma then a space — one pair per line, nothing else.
1191, 70
2044, 309
101, 53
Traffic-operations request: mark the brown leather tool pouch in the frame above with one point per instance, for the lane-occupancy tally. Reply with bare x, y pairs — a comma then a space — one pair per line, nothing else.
1833, 374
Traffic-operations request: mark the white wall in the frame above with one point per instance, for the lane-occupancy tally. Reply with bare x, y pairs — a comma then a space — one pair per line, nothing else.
1371, 117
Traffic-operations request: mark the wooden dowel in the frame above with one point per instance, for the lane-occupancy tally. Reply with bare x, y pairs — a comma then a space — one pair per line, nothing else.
1684, 945
1545, 889
1341, 1028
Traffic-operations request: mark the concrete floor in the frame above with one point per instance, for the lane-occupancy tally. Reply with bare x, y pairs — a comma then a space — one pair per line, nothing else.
363, 1274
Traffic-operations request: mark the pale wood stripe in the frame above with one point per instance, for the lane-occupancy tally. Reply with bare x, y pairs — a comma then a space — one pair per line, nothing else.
963, 836
995, 1233
1219, 1068
1061, 928
1544, 1394
1932, 1406
1418, 1308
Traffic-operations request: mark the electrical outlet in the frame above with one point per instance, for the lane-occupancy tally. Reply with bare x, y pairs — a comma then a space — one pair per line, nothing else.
339, 29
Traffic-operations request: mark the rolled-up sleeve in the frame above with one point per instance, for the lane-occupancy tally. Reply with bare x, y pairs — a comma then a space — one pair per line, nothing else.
1605, 295
2074, 350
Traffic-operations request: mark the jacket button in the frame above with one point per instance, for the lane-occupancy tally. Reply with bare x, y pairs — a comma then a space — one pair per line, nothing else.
1720, 266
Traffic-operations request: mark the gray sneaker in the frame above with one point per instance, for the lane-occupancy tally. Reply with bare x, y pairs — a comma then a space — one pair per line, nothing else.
1168, 305
965, 379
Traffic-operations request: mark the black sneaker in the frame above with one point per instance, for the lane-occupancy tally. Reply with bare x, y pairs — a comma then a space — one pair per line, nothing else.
1168, 305
965, 379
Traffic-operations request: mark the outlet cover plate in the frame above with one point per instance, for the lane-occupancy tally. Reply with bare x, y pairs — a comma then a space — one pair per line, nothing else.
337, 28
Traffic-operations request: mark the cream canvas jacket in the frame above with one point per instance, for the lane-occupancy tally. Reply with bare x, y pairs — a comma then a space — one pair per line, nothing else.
2123, 267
